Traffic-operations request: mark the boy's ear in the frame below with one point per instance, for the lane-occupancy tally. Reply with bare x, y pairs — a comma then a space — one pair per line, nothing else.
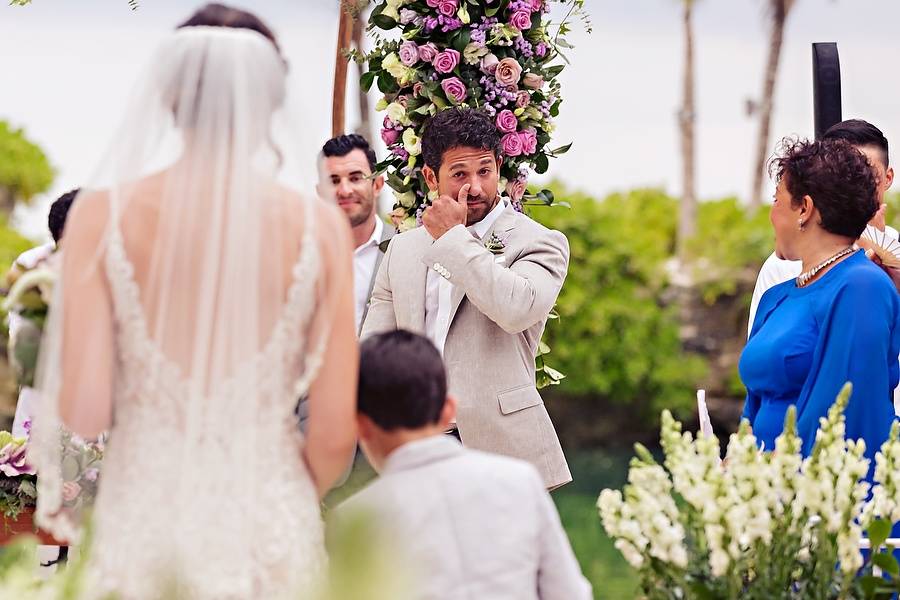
448, 413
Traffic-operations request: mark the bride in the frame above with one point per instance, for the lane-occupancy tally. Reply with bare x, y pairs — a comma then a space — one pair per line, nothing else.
199, 299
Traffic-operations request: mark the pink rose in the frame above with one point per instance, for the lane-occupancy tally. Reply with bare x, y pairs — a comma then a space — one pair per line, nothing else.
511, 144
427, 52
70, 491
523, 99
508, 72
533, 81
390, 136
446, 61
521, 19
417, 88
515, 190
455, 89
507, 121
537, 5
432, 3
529, 140
409, 53
489, 64
447, 7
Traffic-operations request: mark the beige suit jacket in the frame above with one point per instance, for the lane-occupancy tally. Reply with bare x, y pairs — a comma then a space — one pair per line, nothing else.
469, 525
499, 306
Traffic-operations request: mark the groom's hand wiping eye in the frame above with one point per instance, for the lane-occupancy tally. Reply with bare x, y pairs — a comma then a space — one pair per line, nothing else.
446, 212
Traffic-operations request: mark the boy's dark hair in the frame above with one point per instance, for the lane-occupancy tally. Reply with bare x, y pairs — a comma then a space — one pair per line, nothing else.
59, 211
402, 383
343, 145
859, 133
458, 128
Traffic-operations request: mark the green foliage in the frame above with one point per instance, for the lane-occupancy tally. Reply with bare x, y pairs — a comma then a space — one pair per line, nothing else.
12, 244
24, 170
617, 338
731, 245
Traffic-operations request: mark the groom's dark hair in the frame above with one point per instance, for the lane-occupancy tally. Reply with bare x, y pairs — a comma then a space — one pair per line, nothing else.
458, 128
402, 383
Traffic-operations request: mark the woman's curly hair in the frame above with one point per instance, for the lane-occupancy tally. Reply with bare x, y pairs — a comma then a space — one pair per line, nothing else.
835, 175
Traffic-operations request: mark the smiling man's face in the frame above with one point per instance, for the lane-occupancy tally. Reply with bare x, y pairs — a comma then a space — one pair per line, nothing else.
348, 181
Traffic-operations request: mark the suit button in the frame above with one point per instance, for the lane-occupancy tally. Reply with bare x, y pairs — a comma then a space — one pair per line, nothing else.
437, 267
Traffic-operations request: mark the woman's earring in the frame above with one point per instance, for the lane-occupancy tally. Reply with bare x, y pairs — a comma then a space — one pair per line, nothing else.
801, 224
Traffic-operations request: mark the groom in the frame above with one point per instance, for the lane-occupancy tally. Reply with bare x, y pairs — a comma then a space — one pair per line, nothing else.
478, 280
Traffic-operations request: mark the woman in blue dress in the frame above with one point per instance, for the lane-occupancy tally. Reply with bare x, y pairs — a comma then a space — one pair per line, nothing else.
839, 320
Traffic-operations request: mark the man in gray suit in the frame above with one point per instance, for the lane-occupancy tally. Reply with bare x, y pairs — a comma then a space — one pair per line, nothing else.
466, 524
479, 280
346, 176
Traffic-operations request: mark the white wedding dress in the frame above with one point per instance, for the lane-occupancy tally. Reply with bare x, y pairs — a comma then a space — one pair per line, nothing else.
192, 313
219, 540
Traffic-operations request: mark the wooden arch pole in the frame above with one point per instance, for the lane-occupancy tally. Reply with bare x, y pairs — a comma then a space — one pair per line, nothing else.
339, 96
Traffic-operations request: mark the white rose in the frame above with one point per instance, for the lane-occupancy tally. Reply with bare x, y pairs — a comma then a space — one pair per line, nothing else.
396, 112
406, 199
411, 142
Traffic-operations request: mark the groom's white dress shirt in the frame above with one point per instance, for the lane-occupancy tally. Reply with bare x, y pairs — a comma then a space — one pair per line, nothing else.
365, 258
438, 289
469, 525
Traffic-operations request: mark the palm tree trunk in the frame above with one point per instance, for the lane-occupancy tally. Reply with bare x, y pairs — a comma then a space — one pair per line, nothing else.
365, 126
339, 92
779, 16
687, 212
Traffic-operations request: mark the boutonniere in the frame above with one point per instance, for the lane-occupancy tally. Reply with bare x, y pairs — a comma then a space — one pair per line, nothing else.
495, 245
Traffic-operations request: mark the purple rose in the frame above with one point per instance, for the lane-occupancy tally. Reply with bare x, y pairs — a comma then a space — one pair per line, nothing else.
515, 189
455, 89
409, 53
511, 144
522, 99
408, 16
521, 19
427, 52
529, 140
390, 136
446, 61
508, 72
432, 3
447, 7
506, 121
533, 81
489, 64
537, 5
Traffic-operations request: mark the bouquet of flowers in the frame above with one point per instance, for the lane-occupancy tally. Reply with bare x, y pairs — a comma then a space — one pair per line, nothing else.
18, 482
767, 525
500, 57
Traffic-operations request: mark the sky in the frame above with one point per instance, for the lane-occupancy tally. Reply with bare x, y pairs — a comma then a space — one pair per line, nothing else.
67, 68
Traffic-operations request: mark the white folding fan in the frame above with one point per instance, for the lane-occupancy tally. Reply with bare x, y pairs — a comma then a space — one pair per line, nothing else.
884, 246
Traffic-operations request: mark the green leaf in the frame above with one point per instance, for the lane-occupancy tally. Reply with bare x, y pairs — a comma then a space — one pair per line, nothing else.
879, 531
386, 83
547, 194
490, 12
561, 150
382, 21
886, 563
541, 164
870, 584
554, 71
462, 38
543, 348
367, 79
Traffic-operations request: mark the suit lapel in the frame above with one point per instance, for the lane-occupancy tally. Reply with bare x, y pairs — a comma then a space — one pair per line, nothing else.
505, 222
